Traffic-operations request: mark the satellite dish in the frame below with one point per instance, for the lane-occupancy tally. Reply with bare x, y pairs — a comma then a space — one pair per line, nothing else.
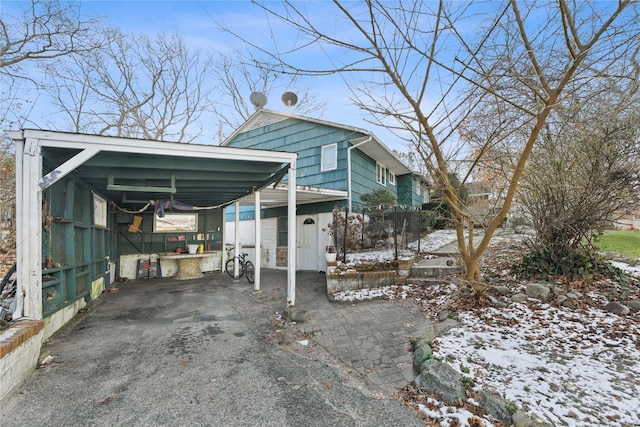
289, 99
258, 100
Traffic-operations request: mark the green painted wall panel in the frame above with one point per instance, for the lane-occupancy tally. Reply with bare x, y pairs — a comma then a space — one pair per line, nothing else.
73, 248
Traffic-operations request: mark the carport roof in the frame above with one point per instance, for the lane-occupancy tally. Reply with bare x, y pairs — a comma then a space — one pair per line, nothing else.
133, 171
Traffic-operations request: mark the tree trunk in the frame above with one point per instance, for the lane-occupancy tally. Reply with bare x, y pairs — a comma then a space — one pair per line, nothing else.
473, 277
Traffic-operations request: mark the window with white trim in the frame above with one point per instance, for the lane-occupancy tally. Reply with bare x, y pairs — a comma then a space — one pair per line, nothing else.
283, 231
329, 157
381, 174
418, 188
392, 178
99, 211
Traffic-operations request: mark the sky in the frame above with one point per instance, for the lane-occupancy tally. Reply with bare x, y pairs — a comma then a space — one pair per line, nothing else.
198, 22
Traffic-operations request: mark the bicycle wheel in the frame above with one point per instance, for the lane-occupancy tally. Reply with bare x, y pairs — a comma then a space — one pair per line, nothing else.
251, 276
228, 267
8, 277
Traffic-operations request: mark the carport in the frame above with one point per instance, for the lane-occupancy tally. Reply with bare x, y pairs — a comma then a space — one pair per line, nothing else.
131, 174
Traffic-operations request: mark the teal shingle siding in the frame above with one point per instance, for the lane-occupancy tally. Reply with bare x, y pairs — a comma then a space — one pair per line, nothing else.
363, 177
406, 190
306, 139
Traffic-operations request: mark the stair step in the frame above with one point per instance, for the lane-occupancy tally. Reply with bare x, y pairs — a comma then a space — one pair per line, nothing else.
433, 270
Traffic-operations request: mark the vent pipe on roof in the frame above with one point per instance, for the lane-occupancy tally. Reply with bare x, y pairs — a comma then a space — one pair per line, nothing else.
349, 168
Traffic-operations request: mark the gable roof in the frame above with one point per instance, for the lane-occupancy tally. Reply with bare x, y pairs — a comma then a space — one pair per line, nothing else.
369, 143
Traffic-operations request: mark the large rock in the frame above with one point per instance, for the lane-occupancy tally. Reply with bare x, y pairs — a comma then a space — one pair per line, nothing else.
634, 305
574, 295
523, 419
442, 327
441, 379
496, 407
496, 302
502, 290
519, 297
617, 308
299, 316
422, 352
538, 290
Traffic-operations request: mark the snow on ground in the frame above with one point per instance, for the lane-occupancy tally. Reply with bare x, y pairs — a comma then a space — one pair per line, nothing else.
570, 367
367, 294
633, 270
434, 240
574, 368
431, 242
448, 415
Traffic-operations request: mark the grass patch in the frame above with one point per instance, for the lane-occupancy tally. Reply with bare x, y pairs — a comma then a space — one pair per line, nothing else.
623, 242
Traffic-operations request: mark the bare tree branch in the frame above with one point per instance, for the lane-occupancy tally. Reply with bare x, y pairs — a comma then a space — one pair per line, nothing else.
428, 72
154, 88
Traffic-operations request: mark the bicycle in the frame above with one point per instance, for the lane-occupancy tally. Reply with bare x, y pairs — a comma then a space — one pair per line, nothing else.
245, 266
8, 288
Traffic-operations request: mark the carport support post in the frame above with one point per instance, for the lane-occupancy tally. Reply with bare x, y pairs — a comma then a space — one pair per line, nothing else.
291, 235
29, 229
236, 241
258, 259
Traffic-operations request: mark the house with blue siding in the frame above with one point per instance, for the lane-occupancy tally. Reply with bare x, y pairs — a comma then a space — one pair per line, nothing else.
336, 165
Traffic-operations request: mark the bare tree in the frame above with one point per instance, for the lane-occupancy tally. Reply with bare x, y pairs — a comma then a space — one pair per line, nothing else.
586, 174
7, 195
46, 30
237, 76
409, 159
39, 32
137, 86
420, 65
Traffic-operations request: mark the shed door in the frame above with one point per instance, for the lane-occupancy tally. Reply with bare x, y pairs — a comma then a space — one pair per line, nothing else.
307, 244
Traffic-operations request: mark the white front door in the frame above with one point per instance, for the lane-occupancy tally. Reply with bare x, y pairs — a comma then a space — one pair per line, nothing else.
307, 243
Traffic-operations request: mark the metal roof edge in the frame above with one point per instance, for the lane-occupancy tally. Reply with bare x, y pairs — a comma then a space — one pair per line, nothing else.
286, 116
144, 146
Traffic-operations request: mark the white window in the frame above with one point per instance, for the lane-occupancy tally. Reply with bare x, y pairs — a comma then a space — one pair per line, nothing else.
418, 188
329, 157
99, 211
283, 231
381, 174
392, 178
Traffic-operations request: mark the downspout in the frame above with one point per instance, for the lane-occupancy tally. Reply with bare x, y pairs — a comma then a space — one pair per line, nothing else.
236, 240
349, 169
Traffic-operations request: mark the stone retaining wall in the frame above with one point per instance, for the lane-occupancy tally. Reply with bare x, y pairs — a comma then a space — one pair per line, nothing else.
337, 282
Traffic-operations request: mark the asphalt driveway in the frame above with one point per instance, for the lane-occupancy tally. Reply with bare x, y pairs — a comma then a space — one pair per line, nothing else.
201, 352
